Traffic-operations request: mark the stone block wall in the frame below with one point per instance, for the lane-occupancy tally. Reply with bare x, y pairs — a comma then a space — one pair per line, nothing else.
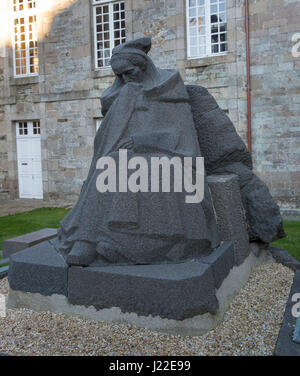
275, 76
65, 96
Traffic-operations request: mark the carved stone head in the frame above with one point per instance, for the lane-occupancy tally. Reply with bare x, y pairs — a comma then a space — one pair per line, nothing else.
131, 63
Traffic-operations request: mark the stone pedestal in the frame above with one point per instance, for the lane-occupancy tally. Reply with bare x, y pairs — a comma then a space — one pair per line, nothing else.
186, 298
28, 240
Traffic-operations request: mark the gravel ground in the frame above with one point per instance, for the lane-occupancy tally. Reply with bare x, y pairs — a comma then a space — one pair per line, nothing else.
250, 327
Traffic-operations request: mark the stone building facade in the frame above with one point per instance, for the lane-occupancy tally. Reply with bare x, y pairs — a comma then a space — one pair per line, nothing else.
65, 94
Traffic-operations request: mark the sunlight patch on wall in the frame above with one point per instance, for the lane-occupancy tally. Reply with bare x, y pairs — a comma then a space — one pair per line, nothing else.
4, 27
45, 11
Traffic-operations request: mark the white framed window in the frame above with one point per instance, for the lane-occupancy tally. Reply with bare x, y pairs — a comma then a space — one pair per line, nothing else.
24, 37
109, 29
206, 28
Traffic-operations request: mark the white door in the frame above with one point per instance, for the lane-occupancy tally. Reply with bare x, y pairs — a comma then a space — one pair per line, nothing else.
29, 159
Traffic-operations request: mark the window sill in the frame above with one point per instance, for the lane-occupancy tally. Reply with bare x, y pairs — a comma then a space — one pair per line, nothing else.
103, 72
24, 80
209, 60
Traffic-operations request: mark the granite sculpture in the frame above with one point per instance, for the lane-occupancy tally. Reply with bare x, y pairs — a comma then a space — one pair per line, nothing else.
147, 112
151, 258
150, 112
224, 152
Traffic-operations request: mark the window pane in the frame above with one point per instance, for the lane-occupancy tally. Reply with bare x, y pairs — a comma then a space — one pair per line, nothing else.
25, 37
222, 7
193, 41
202, 50
194, 50
222, 17
223, 27
214, 9
214, 29
119, 23
110, 30
207, 34
218, 26
214, 48
223, 47
193, 12
36, 127
215, 38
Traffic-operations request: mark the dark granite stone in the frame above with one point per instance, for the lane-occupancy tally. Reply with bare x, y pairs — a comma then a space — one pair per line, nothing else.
173, 291
148, 113
224, 152
28, 240
283, 257
230, 214
222, 261
219, 142
296, 337
285, 346
262, 213
39, 269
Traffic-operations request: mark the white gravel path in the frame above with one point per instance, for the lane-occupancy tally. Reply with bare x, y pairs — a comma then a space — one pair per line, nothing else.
250, 327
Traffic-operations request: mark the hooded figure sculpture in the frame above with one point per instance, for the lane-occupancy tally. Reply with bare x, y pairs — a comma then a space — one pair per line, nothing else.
148, 113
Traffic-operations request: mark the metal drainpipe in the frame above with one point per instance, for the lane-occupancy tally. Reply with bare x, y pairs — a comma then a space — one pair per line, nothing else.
249, 117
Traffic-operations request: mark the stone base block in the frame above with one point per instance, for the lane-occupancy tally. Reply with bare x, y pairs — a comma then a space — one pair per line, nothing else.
231, 220
14, 245
39, 269
173, 291
194, 325
186, 298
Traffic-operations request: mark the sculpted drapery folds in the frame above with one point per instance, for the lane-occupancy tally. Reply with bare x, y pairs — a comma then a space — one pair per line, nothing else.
151, 113
147, 112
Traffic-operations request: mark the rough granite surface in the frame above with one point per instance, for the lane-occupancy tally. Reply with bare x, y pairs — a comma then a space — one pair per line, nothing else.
225, 152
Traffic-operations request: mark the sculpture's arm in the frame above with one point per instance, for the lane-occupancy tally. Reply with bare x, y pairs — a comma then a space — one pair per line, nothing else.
156, 142
109, 95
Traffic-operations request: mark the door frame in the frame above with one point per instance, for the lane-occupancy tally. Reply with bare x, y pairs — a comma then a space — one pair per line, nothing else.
33, 131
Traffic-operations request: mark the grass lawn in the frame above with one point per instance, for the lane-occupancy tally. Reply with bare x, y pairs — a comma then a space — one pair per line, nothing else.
19, 224
292, 242
22, 223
